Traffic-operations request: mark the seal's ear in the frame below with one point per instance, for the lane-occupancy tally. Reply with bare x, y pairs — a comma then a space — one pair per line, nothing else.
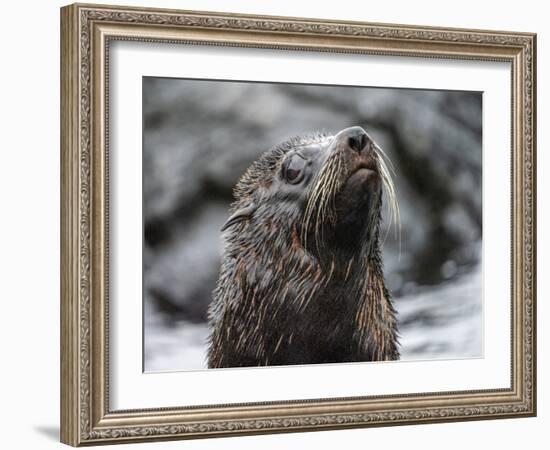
241, 214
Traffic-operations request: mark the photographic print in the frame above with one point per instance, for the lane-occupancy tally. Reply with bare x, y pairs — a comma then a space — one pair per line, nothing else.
343, 212
294, 224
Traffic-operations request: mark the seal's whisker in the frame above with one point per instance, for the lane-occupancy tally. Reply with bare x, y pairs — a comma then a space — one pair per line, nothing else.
321, 206
326, 195
310, 211
317, 202
392, 204
310, 207
385, 157
339, 171
336, 182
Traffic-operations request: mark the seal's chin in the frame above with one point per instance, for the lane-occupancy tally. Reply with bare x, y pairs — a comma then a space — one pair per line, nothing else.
357, 197
362, 178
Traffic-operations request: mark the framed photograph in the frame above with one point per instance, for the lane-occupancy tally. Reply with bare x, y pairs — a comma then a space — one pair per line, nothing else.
275, 224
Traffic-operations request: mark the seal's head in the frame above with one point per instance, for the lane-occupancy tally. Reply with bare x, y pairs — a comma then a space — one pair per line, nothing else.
325, 190
301, 279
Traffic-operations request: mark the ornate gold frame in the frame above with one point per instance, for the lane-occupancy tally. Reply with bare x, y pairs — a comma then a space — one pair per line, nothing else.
86, 31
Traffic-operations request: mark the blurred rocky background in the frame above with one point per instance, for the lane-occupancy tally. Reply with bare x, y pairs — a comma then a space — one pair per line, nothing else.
200, 136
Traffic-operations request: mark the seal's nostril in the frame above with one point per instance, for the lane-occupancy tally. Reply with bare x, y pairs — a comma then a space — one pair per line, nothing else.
357, 141
363, 141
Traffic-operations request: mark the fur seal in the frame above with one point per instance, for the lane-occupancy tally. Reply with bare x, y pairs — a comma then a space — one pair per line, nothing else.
301, 280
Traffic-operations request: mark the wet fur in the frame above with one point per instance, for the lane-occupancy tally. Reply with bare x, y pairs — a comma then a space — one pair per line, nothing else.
282, 297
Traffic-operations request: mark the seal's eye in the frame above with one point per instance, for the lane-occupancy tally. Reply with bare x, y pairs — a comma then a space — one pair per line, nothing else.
293, 169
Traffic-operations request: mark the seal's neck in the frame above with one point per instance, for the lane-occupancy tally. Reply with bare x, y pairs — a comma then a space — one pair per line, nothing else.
375, 317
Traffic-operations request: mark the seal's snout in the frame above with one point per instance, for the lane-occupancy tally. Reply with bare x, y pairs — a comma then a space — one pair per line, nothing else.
356, 138
358, 150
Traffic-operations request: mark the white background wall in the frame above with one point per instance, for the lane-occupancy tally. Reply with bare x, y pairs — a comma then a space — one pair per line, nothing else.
29, 224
